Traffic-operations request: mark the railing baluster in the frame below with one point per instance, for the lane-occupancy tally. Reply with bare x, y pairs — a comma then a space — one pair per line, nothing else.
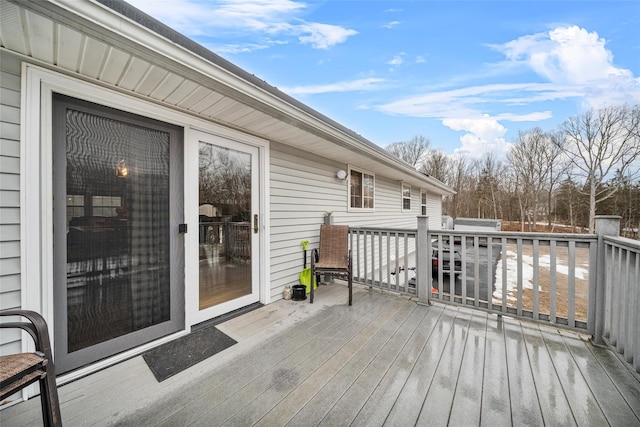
388, 260
609, 261
519, 277
553, 294
624, 300
463, 276
571, 297
634, 321
536, 278
490, 276
405, 284
504, 275
615, 296
476, 272
380, 239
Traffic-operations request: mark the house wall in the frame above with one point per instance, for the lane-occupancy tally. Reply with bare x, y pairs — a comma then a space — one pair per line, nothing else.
9, 194
304, 187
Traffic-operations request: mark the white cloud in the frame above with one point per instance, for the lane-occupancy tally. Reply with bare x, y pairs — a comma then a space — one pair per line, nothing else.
470, 101
573, 63
391, 24
483, 135
396, 60
323, 36
346, 86
420, 59
235, 18
571, 56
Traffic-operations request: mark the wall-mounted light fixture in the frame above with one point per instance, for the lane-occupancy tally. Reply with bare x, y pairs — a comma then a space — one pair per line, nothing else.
122, 171
341, 174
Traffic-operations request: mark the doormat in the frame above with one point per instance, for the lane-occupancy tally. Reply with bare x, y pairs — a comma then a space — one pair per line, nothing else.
174, 357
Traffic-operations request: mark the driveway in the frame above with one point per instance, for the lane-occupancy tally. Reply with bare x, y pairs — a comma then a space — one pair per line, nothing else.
485, 288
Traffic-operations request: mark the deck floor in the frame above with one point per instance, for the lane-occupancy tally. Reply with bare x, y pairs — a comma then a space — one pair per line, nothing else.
384, 361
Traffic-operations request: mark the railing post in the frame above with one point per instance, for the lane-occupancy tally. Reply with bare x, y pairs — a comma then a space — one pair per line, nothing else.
605, 226
422, 274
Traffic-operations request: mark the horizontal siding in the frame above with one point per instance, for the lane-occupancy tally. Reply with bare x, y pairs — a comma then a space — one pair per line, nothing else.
303, 188
9, 194
434, 211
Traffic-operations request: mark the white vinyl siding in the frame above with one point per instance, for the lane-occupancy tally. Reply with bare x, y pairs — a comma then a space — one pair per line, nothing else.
303, 189
434, 211
9, 194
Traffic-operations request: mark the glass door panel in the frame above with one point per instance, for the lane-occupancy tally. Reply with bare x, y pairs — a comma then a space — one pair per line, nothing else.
225, 224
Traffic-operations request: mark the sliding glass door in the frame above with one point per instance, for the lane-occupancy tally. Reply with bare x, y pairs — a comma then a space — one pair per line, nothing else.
118, 254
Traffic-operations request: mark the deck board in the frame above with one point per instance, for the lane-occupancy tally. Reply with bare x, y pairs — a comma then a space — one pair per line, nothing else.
550, 394
525, 409
408, 405
584, 406
439, 398
468, 398
616, 411
384, 361
496, 402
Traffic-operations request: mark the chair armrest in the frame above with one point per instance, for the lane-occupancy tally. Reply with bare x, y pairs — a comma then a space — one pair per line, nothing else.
37, 327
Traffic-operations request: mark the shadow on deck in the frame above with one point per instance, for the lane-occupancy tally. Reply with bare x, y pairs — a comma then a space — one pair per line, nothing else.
385, 361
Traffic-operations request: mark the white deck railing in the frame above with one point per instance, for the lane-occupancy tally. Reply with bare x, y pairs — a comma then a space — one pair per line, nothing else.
542, 277
622, 297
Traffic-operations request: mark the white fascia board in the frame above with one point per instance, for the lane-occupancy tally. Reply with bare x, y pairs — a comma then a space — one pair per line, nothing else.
108, 19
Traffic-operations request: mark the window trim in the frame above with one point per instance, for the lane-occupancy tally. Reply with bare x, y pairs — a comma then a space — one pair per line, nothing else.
363, 172
423, 201
404, 198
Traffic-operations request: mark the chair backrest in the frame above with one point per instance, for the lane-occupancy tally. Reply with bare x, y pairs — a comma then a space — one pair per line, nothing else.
334, 244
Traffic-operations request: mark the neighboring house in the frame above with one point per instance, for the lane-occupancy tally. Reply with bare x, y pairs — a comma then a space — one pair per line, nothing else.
148, 185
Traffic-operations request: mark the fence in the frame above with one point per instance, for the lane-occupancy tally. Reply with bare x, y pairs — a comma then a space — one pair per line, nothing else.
587, 283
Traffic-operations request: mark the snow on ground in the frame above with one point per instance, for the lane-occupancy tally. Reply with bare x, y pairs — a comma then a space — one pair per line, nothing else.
527, 274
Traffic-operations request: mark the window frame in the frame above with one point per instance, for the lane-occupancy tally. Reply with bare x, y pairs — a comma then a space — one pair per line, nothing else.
424, 197
403, 197
361, 208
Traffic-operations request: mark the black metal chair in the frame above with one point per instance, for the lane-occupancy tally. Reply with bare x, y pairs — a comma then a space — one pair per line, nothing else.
18, 371
334, 256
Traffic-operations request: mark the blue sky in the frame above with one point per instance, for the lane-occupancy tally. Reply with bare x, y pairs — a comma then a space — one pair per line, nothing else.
468, 75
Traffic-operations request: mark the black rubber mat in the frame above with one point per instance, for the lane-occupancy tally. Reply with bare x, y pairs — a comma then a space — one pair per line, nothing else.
176, 356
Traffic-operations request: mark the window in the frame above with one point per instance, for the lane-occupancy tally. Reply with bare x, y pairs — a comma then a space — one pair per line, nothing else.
406, 197
423, 202
361, 190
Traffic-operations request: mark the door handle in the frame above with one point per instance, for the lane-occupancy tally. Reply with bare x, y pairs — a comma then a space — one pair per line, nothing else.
255, 223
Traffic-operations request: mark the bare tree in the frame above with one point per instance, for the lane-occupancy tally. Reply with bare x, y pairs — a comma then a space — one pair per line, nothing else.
529, 160
487, 185
461, 181
600, 143
412, 151
437, 164
558, 164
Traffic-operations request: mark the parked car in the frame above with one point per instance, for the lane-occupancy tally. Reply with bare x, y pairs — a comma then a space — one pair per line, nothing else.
444, 263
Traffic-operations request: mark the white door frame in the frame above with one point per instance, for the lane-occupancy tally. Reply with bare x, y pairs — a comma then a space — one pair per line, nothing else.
259, 254
36, 227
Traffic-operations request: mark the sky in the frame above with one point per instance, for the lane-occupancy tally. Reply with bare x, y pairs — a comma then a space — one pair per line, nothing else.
467, 75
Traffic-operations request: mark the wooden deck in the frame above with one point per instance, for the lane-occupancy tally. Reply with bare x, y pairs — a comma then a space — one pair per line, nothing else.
384, 361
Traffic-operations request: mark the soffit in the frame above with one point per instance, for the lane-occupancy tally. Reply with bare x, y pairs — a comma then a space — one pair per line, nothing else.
126, 56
